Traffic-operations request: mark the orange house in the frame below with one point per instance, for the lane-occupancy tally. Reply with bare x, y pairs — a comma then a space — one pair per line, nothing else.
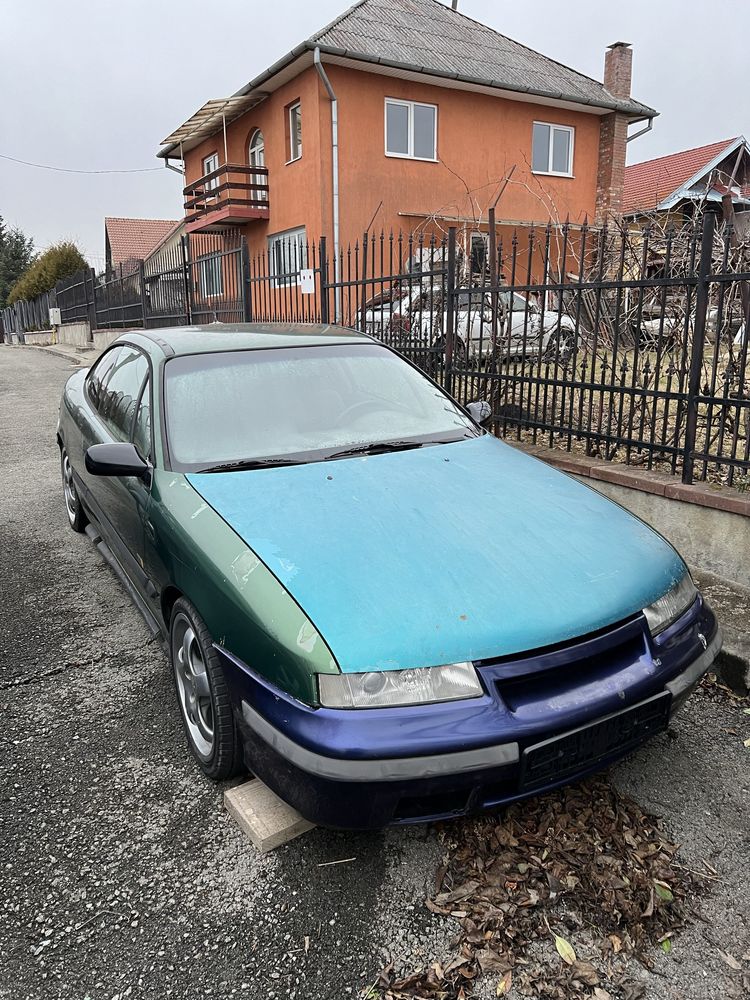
405, 116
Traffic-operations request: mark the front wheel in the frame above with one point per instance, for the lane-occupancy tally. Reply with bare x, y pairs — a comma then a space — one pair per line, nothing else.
202, 695
76, 515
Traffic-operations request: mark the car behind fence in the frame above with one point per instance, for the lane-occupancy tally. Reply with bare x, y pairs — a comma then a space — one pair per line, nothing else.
627, 345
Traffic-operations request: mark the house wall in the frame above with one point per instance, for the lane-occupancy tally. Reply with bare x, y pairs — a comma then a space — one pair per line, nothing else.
480, 138
294, 188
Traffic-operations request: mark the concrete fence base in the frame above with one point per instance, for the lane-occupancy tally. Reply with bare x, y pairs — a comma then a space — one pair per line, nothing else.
708, 524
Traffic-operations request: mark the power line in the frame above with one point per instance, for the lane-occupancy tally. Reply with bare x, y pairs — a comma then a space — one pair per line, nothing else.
68, 170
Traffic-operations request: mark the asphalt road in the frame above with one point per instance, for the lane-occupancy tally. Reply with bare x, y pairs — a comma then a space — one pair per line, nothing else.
120, 874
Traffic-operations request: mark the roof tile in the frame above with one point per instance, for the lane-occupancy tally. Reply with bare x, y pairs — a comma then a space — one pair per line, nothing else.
428, 34
647, 184
134, 239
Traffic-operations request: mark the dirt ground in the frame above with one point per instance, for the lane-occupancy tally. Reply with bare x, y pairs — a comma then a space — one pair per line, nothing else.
120, 873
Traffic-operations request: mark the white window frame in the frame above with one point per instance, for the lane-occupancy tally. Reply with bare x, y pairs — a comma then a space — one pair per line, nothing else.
210, 264
410, 105
297, 106
553, 127
284, 279
214, 182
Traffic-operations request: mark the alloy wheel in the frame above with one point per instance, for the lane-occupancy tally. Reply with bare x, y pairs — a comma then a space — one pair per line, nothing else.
193, 688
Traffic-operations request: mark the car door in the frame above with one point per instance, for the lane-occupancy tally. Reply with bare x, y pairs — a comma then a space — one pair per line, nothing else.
119, 410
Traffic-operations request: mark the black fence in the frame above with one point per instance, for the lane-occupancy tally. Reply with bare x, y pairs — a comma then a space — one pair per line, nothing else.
629, 346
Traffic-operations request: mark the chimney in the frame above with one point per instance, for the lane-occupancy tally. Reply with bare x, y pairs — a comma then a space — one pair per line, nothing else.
618, 69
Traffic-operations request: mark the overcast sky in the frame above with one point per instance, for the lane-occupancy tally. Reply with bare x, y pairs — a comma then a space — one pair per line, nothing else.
96, 85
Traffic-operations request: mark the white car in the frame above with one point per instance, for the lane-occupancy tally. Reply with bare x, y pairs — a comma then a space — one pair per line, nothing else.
418, 320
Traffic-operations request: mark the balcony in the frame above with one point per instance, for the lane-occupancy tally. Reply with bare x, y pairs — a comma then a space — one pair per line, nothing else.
231, 195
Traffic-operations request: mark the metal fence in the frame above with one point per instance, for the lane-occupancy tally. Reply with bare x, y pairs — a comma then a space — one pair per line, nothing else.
629, 346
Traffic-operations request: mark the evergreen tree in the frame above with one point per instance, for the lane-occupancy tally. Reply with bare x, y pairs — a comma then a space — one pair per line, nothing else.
16, 255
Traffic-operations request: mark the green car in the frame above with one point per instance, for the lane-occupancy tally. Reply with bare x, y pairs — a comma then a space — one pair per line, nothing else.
370, 602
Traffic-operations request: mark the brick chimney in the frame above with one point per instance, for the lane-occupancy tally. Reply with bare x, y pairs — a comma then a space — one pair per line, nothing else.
618, 71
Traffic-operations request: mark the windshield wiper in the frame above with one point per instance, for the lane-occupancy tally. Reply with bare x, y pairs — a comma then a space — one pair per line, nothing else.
378, 448
248, 463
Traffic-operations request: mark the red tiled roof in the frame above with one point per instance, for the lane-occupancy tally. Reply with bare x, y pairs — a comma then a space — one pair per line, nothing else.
647, 184
134, 239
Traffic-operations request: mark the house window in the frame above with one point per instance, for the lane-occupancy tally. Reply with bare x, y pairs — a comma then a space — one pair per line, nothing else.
294, 126
211, 163
287, 256
257, 158
410, 130
552, 149
210, 275
478, 252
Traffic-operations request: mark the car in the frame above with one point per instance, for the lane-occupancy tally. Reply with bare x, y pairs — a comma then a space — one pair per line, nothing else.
415, 320
370, 602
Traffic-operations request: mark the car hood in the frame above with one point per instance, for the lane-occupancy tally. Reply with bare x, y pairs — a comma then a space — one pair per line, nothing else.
465, 551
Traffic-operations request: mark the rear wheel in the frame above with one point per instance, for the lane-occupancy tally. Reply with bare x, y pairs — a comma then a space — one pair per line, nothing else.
202, 695
76, 516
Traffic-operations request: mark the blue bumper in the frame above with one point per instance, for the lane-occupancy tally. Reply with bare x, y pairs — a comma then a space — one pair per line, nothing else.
544, 719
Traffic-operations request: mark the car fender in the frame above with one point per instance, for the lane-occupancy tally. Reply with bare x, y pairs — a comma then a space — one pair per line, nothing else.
246, 608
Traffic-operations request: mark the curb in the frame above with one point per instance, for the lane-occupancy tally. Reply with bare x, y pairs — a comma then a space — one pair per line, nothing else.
74, 356
732, 664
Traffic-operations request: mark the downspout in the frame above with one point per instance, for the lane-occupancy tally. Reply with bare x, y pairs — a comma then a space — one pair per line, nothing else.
335, 160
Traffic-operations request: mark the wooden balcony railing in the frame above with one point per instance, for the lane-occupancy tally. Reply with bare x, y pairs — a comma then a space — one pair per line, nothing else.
229, 196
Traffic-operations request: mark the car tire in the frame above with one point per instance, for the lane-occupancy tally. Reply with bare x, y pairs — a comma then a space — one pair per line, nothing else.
202, 695
74, 508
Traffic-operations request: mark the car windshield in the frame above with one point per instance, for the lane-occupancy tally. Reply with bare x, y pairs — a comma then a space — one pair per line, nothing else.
301, 404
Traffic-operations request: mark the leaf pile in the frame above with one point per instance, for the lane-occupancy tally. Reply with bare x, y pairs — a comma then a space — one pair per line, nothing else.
579, 858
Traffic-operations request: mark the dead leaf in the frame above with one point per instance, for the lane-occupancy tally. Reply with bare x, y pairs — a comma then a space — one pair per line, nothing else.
504, 985
585, 972
729, 960
565, 950
600, 994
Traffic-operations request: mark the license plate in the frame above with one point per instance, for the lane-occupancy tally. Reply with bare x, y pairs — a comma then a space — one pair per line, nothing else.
582, 749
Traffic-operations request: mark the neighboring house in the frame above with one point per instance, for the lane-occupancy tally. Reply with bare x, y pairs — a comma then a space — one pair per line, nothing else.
128, 241
673, 186
405, 115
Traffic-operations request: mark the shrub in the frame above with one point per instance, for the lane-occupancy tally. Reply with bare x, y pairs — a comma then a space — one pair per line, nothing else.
60, 261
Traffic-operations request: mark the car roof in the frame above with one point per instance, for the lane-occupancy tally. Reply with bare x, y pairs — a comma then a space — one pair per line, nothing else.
215, 337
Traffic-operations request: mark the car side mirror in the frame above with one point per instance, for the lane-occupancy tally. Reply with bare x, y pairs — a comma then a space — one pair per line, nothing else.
481, 411
120, 459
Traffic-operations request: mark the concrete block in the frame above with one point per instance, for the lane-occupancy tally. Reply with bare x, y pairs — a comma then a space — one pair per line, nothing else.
733, 662
263, 816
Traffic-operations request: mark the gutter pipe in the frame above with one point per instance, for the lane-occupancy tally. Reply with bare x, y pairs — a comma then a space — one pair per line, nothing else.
335, 160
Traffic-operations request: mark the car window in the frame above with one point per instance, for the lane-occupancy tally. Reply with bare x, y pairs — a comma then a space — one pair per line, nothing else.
142, 426
305, 401
119, 392
100, 372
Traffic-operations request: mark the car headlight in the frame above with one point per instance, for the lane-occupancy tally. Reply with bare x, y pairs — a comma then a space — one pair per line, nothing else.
388, 688
671, 605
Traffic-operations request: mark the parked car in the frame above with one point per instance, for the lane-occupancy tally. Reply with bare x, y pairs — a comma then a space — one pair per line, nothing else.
418, 319
377, 607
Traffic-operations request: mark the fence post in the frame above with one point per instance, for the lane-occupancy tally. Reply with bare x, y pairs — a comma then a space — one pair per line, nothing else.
323, 258
363, 303
247, 301
699, 340
144, 301
90, 300
450, 332
188, 277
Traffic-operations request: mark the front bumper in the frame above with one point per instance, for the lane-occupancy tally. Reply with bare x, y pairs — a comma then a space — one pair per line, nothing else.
545, 719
